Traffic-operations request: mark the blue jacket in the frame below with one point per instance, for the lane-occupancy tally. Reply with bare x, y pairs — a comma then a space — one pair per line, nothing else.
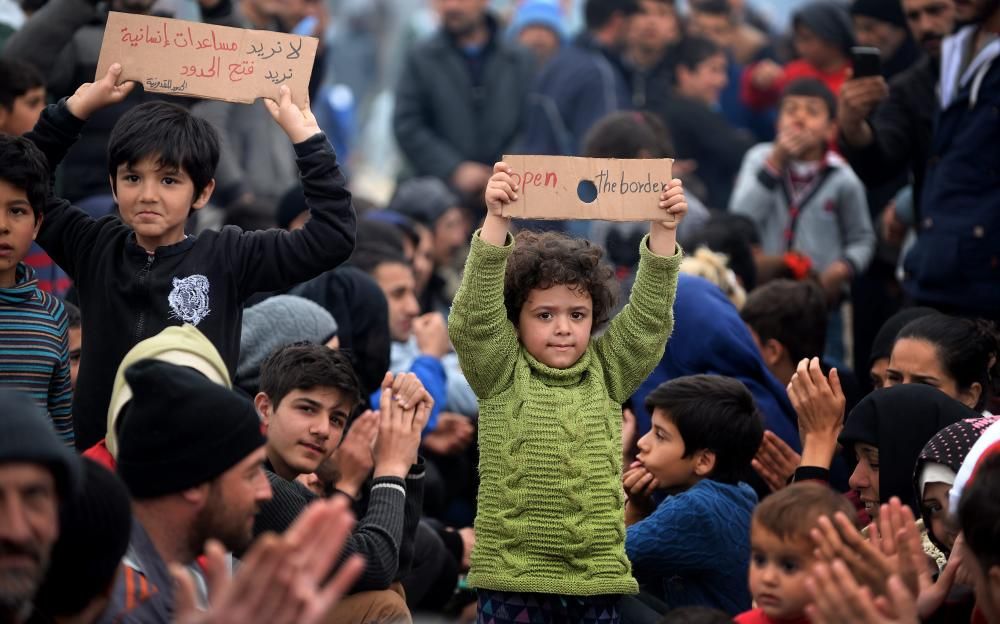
956, 260
579, 86
710, 338
694, 550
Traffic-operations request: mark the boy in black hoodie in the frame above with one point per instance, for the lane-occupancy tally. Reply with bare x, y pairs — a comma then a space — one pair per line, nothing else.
141, 273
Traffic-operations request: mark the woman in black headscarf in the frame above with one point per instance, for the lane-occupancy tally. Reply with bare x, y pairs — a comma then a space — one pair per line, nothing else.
886, 431
362, 314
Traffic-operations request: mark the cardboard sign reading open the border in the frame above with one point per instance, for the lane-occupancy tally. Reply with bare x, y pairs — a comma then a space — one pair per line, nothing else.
609, 189
201, 60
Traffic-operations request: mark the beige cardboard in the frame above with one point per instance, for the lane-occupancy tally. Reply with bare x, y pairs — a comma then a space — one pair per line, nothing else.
549, 188
201, 60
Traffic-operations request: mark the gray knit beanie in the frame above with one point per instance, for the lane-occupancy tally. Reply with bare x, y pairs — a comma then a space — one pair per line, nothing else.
276, 322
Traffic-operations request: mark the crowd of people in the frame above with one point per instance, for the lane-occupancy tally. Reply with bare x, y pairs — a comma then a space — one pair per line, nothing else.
240, 383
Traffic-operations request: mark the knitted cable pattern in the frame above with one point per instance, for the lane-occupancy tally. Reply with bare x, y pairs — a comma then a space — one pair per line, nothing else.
550, 507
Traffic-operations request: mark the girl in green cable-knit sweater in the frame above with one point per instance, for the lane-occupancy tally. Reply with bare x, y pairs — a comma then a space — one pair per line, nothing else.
550, 528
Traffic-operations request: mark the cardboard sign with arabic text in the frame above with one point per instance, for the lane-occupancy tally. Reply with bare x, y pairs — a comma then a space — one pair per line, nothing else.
608, 189
202, 60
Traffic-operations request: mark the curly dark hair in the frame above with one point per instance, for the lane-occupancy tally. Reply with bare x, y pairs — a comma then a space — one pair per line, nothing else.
546, 259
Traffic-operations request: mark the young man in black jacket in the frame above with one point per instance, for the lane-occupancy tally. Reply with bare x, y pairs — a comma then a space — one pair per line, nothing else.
307, 395
141, 273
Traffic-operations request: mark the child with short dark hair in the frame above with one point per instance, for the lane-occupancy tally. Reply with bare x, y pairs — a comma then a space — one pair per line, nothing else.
693, 549
803, 197
788, 321
34, 354
22, 96
782, 550
549, 529
142, 273
309, 394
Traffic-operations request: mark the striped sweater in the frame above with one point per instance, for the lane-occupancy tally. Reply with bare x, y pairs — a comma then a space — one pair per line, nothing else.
34, 348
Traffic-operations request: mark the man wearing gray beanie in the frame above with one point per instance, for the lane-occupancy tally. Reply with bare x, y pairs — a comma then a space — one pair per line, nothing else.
37, 474
191, 453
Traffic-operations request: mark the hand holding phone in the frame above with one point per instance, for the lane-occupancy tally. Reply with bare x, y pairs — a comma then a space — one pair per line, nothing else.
867, 61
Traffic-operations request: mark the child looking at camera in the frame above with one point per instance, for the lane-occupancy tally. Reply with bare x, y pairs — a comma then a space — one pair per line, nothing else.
550, 534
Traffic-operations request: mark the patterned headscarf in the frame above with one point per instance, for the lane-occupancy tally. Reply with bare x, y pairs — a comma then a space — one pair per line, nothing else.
943, 456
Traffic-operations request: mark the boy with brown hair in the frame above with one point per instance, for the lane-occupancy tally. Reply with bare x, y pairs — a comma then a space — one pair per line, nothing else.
782, 551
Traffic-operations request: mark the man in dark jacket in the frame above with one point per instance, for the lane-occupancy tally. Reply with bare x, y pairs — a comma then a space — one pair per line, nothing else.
887, 149
582, 84
955, 264
38, 475
897, 137
191, 479
461, 98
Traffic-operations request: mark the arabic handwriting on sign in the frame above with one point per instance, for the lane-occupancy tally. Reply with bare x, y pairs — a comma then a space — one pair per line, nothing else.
238, 70
277, 78
195, 72
294, 54
132, 40
180, 87
152, 84
180, 41
216, 45
255, 50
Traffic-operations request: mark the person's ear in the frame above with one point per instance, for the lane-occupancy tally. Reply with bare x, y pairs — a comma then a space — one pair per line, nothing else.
263, 404
114, 188
970, 396
4, 114
773, 352
197, 496
39, 217
704, 462
206, 194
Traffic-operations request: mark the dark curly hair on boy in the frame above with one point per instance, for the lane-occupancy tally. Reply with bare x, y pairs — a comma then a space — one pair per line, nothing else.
546, 259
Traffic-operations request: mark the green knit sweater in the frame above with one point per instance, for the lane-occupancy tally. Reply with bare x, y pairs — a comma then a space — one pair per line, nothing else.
551, 507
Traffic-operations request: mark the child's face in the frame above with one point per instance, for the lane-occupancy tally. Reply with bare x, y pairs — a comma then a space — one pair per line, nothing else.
304, 428
819, 53
555, 323
18, 228
705, 82
935, 504
778, 571
661, 452
23, 115
156, 201
807, 115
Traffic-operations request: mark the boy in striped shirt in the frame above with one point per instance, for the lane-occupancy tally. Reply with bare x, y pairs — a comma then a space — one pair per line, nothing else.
34, 346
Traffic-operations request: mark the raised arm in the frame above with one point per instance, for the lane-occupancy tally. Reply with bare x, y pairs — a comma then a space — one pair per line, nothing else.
68, 233
275, 259
484, 338
635, 339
